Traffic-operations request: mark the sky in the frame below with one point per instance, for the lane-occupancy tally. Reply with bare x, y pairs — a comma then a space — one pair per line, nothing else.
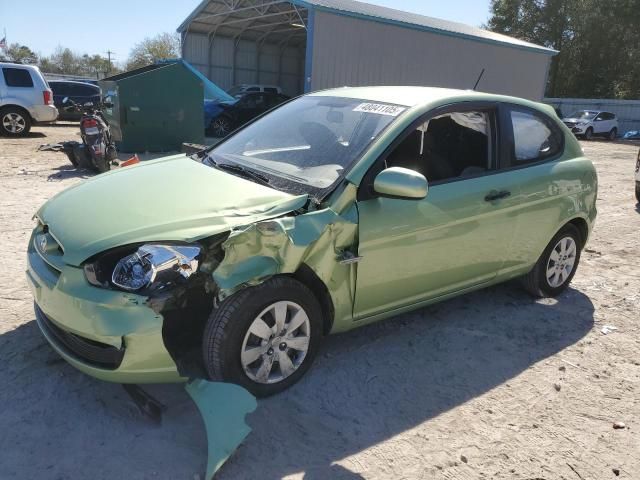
119, 24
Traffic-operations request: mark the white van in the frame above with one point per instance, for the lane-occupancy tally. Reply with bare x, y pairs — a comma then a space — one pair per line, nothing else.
25, 99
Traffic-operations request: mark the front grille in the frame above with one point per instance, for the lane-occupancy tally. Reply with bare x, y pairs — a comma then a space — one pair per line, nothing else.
95, 353
47, 247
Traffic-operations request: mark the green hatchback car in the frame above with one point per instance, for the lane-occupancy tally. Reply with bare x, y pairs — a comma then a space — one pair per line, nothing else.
337, 209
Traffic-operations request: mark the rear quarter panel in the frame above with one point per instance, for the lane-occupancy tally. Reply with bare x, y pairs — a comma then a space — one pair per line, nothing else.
553, 194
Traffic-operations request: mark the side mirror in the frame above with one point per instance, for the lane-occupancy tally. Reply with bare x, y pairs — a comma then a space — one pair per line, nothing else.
65, 100
398, 182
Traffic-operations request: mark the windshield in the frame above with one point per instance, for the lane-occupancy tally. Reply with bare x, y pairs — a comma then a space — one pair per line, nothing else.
584, 115
309, 141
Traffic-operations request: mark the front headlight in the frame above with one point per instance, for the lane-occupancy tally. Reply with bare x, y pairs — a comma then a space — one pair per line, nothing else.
155, 265
583, 124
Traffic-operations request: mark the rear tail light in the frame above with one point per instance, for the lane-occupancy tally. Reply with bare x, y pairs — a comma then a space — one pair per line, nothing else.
47, 97
90, 122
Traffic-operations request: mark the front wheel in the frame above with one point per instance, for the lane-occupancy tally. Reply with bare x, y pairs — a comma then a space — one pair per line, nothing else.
557, 265
264, 338
588, 135
638, 191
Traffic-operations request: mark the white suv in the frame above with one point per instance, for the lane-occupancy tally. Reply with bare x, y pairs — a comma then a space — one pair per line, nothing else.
25, 99
591, 123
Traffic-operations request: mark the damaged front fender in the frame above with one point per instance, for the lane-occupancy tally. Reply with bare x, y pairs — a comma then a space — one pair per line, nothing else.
319, 239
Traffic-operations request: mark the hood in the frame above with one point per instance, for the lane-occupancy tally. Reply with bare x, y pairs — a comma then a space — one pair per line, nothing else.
174, 198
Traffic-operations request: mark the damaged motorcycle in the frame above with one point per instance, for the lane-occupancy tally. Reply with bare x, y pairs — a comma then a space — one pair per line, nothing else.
97, 150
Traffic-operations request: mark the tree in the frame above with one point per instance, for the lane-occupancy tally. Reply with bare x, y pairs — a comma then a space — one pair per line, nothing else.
19, 54
598, 42
67, 62
161, 47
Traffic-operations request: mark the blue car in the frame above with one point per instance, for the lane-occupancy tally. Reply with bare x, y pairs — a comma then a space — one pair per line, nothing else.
223, 117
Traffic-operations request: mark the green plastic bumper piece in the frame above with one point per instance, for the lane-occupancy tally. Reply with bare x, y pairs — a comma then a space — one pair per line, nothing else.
223, 407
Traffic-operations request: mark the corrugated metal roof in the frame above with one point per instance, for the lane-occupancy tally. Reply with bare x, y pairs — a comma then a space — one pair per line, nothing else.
366, 11
391, 15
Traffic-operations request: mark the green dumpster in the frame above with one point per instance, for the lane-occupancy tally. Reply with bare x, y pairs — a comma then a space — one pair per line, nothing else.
155, 108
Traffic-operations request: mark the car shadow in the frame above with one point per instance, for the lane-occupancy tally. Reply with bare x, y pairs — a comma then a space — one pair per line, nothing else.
366, 387
64, 172
31, 134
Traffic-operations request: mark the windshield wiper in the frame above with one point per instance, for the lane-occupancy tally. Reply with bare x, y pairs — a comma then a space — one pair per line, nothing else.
250, 174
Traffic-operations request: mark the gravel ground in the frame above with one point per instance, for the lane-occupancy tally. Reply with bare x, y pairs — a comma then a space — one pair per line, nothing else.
488, 385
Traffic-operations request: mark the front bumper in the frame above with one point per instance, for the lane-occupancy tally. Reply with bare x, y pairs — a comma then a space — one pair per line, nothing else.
110, 335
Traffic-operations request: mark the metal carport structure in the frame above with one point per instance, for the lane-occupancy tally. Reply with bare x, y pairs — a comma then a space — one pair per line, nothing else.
305, 45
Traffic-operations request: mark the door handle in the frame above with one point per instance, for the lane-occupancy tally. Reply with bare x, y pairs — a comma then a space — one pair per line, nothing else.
497, 195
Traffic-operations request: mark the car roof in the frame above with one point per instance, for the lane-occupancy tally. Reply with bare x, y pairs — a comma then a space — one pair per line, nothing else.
18, 65
415, 96
74, 82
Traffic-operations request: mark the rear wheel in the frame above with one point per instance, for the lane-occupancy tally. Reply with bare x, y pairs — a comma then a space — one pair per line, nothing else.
588, 135
557, 265
613, 134
101, 164
14, 122
638, 191
264, 338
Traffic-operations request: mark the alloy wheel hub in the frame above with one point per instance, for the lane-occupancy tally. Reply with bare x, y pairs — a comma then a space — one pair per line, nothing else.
13, 122
276, 343
561, 262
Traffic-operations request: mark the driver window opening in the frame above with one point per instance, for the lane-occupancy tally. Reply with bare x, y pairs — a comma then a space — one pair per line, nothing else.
449, 146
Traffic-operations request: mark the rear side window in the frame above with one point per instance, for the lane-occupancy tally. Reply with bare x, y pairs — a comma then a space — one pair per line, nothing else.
17, 77
535, 138
270, 90
59, 88
83, 91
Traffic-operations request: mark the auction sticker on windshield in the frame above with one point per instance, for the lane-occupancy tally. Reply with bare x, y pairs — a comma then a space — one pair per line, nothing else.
380, 109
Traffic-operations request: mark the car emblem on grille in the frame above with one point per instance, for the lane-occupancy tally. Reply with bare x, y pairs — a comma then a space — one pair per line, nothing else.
42, 243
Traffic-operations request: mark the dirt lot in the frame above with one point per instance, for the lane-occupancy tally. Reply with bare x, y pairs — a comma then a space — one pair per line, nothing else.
489, 385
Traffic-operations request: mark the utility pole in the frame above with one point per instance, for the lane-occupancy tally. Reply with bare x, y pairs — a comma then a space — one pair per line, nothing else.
109, 53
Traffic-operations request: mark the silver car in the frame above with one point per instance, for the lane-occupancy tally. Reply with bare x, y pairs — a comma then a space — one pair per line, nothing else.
25, 99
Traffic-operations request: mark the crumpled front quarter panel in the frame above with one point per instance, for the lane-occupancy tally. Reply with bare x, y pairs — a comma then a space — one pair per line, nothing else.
283, 245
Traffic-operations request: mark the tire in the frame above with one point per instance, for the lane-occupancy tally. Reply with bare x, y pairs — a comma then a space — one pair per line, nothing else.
588, 135
638, 191
101, 164
227, 337
537, 282
613, 134
14, 122
221, 126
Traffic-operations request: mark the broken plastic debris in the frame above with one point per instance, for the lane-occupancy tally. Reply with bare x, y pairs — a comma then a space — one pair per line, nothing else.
608, 329
223, 407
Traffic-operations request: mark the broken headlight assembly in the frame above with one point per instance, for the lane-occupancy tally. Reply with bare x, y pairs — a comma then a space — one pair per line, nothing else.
155, 266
